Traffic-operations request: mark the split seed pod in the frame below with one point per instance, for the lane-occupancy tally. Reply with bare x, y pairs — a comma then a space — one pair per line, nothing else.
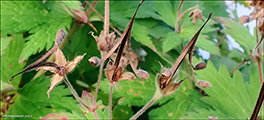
95, 61
245, 19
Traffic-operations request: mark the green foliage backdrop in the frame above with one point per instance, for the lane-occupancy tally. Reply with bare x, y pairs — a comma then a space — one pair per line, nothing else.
28, 31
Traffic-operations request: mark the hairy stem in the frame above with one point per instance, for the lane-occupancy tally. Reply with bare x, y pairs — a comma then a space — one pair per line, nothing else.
75, 28
99, 78
74, 93
110, 101
106, 18
237, 67
103, 18
142, 110
90, 9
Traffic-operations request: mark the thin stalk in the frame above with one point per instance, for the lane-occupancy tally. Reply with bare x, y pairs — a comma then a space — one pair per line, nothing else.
90, 9
106, 18
178, 21
181, 15
74, 93
110, 101
187, 70
260, 70
103, 18
142, 110
75, 28
99, 79
237, 67
95, 115
258, 104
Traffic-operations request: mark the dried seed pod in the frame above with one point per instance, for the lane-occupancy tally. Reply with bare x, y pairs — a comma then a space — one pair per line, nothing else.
197, 14
165, 75
60, 35
212, 118
95, 61
245, 19
203, 84
200, 65
142, 74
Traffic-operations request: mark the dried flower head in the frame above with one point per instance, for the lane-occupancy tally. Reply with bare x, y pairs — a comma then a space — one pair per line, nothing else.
64, 68
212, 118
197, 14
105, 41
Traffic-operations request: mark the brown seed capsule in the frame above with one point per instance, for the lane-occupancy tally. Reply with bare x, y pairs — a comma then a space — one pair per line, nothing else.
203, 84
200, 66
95, 61
142, 74
59, 38
245, 19
165, 75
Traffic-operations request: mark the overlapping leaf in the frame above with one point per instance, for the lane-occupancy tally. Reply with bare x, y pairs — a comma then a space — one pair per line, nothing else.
32, 100
225, 93
41, 22
9, 60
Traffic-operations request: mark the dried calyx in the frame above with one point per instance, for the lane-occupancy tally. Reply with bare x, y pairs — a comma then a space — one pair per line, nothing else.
197, 14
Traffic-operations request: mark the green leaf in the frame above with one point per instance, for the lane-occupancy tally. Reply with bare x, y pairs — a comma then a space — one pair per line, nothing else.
137, 92
235, 53
218, 8
171, 40
166, 11
22, 16
225, 93
122, 112
140, 34
173, 108
239, 33
32, 100
5, 41
9, 61
63, 115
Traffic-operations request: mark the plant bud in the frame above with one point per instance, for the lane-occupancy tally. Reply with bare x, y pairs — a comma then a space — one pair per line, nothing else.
95, 61
200, 66
142, 74
60, 35
212, 118
203, 84
245, 19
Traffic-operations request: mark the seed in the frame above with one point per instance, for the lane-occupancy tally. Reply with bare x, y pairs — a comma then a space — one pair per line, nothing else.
142, 74
59, 38
200, 66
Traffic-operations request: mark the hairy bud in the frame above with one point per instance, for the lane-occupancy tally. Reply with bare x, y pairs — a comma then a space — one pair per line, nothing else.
60, 35
94, 61
142, 74
203, 84
200, 65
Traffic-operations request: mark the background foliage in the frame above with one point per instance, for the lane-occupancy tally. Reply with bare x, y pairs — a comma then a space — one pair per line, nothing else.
28, 30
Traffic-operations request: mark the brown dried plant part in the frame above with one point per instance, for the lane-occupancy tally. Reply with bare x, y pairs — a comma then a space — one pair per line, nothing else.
59, 38
64, 68
197, 14
95, 61
105, 41
186, 50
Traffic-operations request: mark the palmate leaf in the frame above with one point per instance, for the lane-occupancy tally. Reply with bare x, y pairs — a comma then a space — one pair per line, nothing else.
167, 12
32, 100
230, 97
239, 33
32, 16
